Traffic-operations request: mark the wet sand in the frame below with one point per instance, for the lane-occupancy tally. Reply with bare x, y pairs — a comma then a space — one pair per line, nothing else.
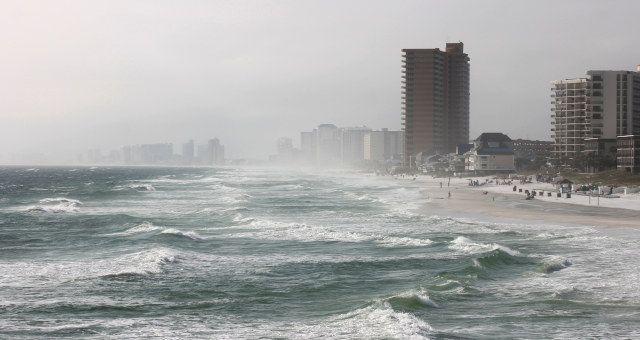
471, 202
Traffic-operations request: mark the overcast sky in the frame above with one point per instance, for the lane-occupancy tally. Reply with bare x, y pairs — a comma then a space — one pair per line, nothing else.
83, 74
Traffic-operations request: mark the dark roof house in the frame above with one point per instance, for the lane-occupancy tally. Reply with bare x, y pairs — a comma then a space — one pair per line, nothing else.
493, 143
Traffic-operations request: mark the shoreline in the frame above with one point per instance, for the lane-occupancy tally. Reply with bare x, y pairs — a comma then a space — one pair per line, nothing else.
500, 201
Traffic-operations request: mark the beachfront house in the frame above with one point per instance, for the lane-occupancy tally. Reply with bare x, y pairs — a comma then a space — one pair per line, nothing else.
492, 153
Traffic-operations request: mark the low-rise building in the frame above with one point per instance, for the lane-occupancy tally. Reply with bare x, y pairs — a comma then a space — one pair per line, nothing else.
628, 153
492, 152
600, 146
526, 148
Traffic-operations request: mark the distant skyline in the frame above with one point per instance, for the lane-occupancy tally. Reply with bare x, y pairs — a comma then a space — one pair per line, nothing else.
78, 75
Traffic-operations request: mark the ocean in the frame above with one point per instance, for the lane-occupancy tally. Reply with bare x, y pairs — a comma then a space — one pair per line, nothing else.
245, 253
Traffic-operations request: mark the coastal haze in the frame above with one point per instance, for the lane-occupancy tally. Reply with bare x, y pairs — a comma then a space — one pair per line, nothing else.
128, 208
101, 75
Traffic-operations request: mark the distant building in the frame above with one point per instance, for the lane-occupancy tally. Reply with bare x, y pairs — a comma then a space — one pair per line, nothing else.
435, 100
600, 146
461, 149
492, 152
94, 156
327, 145
203, 154
215, 152
352, 143
308, 146
188, 152
127, 154
394, 144
604, 105
628, 153
374, 146
383, 145
161, 153
526, 148
285, 150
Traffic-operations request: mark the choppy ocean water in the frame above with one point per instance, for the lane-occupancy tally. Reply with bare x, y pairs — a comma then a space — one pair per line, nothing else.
253, 253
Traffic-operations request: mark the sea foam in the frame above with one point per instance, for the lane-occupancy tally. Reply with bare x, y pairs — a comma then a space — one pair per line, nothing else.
44, 273
467, 246
312, 233
56, 205
379, 320
148, 227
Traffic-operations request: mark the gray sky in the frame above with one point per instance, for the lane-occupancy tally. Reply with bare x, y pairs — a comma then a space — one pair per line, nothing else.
82, 74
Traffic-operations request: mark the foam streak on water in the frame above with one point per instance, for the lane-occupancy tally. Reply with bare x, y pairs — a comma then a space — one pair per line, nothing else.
253, 253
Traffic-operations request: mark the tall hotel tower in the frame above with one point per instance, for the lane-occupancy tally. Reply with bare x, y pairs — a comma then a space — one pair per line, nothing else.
435, 100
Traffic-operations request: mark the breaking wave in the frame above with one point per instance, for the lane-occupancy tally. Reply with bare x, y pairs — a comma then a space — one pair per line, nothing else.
56, 205
467, 246
148, 227
44, 273
271, 230
555, 265
412, 301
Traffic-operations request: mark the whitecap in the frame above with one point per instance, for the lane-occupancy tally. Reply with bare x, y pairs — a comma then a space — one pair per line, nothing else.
554, 265
136, 186
147, 227
144, 187
143, 262
300, 232
61, 200
189, 234
64, 205
379, 320
467, 246
140, 228
44, 272
239, 218
420, 296
393, 241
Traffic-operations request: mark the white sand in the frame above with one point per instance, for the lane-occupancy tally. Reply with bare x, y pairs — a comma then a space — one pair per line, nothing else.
500, 201
617, 200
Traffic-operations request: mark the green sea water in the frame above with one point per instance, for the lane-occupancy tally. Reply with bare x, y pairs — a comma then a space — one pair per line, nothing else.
234, 253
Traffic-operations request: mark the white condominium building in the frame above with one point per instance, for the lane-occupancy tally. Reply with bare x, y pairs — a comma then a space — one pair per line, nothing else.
604, 105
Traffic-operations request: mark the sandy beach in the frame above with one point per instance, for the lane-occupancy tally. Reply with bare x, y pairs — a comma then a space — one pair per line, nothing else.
501, 201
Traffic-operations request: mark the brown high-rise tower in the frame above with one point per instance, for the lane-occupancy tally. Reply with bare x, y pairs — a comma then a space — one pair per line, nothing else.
435, 95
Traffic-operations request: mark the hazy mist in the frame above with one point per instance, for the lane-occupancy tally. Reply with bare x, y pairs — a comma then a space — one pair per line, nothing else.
77, 75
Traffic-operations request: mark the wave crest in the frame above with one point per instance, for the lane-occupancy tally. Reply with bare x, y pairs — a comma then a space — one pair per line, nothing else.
413, 300
56, 205
148, 227
467, 246
555, 265
141, 263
